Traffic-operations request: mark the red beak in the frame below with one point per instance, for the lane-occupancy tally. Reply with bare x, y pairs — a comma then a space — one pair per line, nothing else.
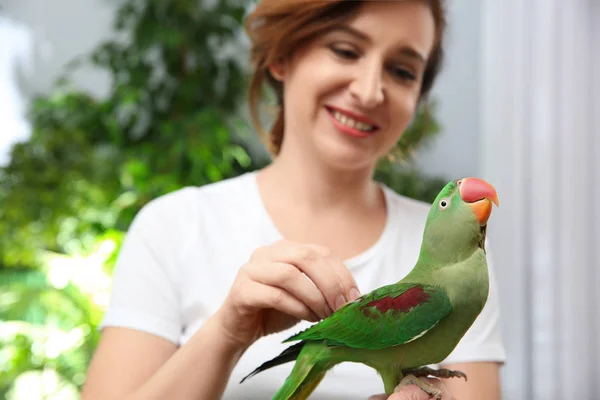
480, 195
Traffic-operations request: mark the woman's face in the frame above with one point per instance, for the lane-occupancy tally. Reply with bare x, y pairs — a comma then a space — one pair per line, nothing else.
351, 93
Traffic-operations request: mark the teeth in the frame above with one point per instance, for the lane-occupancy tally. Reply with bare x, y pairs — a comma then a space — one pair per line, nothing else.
352, 123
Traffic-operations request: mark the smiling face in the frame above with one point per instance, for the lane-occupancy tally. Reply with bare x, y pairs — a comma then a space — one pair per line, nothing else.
350, 94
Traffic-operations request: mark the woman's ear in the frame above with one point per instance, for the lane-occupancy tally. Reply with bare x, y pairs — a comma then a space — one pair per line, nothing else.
278, 70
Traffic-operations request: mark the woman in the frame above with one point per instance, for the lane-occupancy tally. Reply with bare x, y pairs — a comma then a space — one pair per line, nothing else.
210, 280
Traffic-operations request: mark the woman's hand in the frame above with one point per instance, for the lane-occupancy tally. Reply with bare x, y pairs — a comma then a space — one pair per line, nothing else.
413, 392
271, 291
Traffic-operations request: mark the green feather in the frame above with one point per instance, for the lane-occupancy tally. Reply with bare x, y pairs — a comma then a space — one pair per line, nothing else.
356, 325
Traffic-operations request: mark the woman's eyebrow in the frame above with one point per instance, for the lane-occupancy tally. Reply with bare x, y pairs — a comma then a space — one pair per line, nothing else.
412, 53
404, 50
352, 31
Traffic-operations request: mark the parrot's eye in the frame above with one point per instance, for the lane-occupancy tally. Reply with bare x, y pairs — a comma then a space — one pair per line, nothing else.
444, 203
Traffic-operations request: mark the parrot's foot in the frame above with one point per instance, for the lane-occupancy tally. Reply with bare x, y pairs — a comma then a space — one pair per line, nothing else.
422, 384
438, 373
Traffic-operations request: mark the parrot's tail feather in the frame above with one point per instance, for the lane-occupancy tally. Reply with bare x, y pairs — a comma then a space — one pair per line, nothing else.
309, 370
289, 354
307, 388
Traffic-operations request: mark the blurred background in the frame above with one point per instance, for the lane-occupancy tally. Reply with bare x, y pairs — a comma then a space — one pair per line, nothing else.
106, 104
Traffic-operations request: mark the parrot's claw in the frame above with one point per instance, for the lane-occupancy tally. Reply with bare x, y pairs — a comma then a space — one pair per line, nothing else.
438, 373
422, 384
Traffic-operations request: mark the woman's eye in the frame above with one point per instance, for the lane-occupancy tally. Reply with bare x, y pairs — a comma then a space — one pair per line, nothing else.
345, 53
403, 74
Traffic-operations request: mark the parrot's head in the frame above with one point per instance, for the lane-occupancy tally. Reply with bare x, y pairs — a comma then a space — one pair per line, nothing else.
457, 221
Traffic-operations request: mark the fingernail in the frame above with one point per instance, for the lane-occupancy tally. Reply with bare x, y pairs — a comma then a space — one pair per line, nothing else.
339, 302
354, 294
328, 311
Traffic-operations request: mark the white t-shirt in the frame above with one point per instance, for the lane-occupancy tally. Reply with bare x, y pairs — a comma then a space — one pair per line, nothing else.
182, 253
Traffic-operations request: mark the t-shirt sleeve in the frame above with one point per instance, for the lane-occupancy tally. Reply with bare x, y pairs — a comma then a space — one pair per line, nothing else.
483, 341
144, 295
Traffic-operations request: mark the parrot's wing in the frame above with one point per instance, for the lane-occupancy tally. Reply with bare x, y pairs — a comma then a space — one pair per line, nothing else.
388, 316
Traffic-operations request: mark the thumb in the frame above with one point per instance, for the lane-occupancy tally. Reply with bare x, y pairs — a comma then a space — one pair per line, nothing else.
378, 397
410, 392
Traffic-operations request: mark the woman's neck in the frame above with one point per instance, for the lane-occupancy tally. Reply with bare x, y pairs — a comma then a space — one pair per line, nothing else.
316, 188
307, 202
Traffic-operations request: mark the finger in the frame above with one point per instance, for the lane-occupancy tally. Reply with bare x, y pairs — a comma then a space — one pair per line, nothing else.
446, 395
413, 390
343, 273
317, 269
409, 392
290, 279
260, 296
378, 397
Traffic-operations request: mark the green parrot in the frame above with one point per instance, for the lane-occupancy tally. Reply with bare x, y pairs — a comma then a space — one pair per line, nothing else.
401, 328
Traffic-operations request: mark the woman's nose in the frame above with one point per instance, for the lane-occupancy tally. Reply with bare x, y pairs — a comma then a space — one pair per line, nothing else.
367, 86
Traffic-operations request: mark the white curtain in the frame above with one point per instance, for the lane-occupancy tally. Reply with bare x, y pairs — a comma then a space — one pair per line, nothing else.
541, 149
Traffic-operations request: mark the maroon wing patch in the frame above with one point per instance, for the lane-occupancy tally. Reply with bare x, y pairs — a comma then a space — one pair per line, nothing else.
407, 300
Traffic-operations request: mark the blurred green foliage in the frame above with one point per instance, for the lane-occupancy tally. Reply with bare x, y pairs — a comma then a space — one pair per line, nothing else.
49, 317
171, 119
168, 121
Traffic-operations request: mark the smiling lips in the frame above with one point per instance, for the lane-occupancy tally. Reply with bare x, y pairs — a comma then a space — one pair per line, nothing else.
351, 123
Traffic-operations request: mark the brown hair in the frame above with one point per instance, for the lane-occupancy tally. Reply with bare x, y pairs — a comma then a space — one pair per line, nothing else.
277, 27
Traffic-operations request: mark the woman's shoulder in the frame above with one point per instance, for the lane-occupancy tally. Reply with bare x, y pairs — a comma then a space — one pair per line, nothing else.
189, 203
218, 192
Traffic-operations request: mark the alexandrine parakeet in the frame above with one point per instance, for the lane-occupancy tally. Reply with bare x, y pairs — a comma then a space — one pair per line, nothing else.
401, 328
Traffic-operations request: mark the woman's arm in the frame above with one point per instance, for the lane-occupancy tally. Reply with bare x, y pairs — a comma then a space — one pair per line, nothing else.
483, 381
270, 293
130, 364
